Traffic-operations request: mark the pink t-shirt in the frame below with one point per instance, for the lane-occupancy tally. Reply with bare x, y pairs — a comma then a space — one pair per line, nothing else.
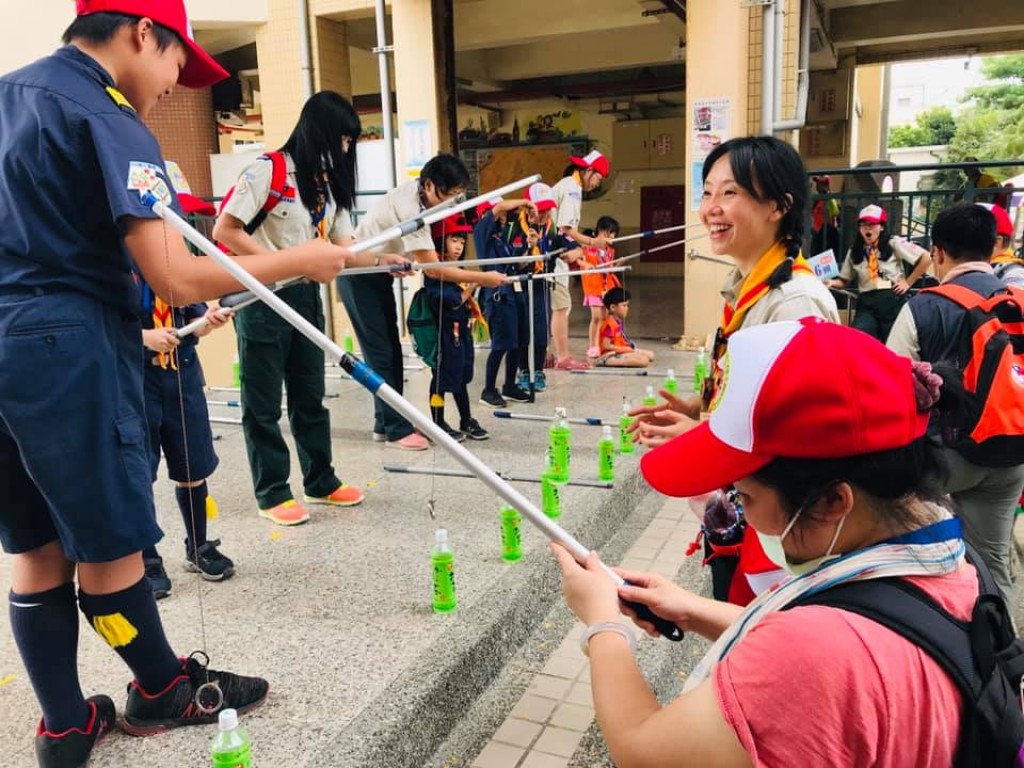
824, 687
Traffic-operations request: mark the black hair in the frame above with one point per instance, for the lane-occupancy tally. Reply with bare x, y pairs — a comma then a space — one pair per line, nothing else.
892, 478
439, 243
967, 232
315, 146
99, 28
607, 224
614, 296
447, 172
857, 254
572, 168
769, 169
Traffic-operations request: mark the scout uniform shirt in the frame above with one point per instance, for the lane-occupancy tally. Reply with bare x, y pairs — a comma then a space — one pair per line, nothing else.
290, 222
875, 273
400, 204
569, 198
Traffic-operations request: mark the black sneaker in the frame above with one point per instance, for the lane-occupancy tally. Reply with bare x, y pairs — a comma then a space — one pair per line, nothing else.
516, 394
492, 399
453, 433
208, 562
194, 698
474, 431
71, 749
157, 577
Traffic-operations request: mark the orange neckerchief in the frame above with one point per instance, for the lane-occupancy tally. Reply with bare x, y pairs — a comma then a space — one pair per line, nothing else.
873, 264
526, 226
1006, 257
163, 317
755, 286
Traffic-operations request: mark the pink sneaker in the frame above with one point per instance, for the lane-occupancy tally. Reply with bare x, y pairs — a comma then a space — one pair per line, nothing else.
413, 442
568, 364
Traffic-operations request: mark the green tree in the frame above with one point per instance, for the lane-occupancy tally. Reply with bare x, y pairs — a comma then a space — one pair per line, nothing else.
933, 126
993, 127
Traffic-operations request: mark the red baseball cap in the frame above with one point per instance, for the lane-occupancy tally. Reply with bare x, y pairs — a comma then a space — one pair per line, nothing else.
805, 390
200, 71
1004, 226
873, 214
453, 225
487, 205
542, 196
594, 160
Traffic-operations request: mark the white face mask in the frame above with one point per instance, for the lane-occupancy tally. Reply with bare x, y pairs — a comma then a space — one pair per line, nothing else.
773, 550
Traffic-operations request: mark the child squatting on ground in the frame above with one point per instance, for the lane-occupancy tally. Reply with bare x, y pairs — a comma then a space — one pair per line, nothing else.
617, 349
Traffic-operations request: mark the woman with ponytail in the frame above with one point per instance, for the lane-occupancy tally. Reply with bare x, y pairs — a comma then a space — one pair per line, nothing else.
753, 205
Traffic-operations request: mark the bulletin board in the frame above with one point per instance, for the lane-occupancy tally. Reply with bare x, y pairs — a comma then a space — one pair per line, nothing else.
506, 164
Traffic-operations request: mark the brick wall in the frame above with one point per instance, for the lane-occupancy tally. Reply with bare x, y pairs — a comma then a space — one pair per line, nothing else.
184, 125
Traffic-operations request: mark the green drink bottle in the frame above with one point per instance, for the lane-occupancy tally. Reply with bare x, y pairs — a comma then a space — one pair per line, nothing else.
550, 497
236, 373
559, 447
625, 437
350, 346
443, 562
700, 371
649, 398
231, 747
671, 385
606, 456
511, 549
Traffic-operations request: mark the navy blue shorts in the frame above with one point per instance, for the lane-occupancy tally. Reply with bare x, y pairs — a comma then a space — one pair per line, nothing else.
455, 359
505, 315
74, 461
179, 426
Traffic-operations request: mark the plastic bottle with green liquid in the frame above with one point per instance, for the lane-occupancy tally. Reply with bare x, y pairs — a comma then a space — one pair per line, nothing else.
551, 499
511, 543
349, 344
606, 456
232, 747
625, 437
236, 373
649, 397
671, 385
443, 562
700, 370
559, 447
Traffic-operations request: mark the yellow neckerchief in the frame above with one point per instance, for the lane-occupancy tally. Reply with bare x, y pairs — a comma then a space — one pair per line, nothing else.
873, 264
118, 98
578, 179
163, 317
755, 286
526, 226
1006, 257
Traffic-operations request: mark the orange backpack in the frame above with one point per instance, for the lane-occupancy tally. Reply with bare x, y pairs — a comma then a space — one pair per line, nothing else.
992, 358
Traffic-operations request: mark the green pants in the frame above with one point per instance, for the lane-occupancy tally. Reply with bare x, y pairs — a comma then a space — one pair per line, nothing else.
272, 353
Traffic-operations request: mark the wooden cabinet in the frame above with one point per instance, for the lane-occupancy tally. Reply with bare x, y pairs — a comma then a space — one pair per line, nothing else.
648, 144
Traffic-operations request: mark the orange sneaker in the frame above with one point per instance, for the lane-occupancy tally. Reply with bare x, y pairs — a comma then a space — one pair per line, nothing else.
286, 513
343, 496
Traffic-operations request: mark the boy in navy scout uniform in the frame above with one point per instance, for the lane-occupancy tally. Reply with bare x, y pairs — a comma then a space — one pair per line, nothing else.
455, 308
504, 313
178, 423
532, 231
74, 469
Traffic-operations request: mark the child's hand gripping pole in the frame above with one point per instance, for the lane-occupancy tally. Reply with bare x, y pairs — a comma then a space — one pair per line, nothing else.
369, 379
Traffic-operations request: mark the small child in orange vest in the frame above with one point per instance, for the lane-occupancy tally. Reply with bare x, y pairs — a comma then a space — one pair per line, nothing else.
596, 286
617, 349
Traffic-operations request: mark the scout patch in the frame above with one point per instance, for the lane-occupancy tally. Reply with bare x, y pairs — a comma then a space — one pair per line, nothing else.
145, 177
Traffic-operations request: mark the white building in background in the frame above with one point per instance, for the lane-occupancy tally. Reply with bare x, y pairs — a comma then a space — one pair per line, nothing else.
910, 181
917, 86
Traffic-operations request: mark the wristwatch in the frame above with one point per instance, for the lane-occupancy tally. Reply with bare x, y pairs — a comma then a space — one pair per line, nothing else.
607, 626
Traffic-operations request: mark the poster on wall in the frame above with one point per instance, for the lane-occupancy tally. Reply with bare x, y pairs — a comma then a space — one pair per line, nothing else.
709, 127
418, 146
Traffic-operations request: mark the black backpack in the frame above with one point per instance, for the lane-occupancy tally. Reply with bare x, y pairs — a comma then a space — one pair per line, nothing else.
983, 657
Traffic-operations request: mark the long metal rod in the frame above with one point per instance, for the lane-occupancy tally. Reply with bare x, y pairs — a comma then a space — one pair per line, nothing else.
421, 265
529, 350
511, 477
694, 256
585, 422
577, 273
607, 371
652, 232
242, 299
383, 66
372, 381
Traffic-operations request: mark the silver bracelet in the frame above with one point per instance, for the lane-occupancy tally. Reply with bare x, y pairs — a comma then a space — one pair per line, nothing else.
607, 626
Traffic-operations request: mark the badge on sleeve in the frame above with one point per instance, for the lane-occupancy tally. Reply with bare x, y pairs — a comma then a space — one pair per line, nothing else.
146, 177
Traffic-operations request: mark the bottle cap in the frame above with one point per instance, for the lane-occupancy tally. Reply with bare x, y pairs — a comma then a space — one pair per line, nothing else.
441, 537
626, 407
228, 719
650, 390
670, 373
560, 412
606, 432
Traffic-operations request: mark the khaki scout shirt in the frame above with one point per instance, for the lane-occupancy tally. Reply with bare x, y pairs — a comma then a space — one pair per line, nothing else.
398, 205
289, 223
890, 271
802, 296
569, 198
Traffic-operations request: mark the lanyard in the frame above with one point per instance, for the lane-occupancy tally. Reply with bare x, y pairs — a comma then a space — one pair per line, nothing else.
944, 530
